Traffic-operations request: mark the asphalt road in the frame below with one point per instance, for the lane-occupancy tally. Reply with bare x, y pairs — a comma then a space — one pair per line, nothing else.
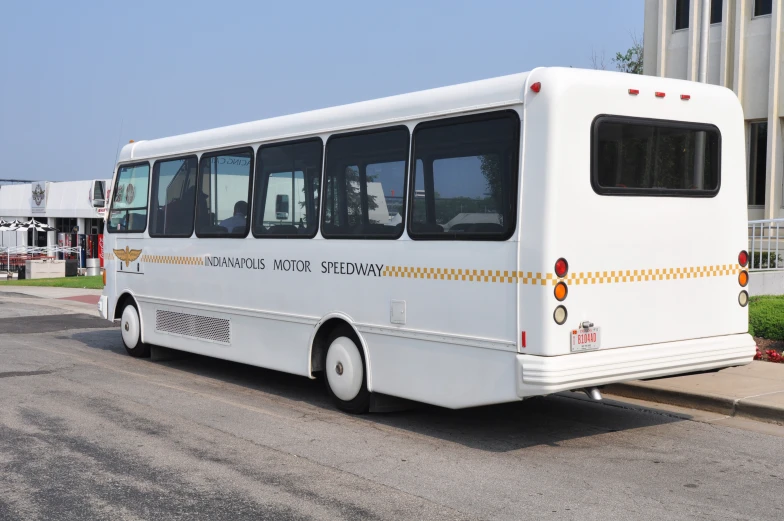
86, 432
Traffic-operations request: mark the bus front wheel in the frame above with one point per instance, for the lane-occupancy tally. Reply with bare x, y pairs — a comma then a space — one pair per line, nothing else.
131, 329
346, 374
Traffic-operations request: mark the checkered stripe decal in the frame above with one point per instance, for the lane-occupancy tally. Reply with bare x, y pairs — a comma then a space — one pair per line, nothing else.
172, 259
470, 275
543, 279
609, 277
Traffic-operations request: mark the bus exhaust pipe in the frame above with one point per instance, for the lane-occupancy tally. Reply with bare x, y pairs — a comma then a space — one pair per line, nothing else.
593, 393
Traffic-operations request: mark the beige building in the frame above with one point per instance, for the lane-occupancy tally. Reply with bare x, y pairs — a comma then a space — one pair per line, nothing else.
745, 55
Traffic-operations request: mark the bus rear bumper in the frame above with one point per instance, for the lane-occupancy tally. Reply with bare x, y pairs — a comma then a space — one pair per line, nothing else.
540, 375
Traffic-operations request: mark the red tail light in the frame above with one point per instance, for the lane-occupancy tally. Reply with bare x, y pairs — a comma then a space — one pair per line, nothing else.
743, 258
561, 268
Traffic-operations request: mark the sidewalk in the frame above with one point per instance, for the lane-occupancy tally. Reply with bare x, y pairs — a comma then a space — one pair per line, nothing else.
753, 391
69, 300
49, 292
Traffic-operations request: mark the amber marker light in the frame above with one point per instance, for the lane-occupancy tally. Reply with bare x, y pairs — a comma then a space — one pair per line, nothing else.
743, 278
560, 291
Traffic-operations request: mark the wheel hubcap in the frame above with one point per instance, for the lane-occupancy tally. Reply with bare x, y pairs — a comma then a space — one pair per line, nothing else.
347, 379
130, 327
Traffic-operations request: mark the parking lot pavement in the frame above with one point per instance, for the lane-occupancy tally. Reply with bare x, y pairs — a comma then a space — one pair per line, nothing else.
87, 432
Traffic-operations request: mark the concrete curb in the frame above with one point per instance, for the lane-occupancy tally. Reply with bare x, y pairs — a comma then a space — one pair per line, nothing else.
704, 402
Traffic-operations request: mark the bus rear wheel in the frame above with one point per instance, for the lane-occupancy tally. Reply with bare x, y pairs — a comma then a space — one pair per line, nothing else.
131, 329
345, 371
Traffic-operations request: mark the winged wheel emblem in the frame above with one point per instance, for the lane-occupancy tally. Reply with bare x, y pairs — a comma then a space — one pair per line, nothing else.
127, 255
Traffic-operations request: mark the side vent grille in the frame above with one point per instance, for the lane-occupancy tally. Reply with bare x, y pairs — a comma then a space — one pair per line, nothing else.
196, 326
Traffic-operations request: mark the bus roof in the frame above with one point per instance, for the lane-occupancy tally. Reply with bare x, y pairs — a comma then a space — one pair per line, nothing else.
503, 91
495, 92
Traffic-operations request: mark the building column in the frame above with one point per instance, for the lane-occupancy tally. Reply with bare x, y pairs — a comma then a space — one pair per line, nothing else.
726, 67
655, 55
51, 237
741, 21
693, 53
775, 160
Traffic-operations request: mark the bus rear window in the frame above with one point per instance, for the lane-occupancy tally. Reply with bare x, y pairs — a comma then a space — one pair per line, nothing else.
634, 156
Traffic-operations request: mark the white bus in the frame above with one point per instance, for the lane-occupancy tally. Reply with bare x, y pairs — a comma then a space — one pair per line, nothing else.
554, 230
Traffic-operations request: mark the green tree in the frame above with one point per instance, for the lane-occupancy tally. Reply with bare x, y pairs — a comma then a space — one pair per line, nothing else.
631, 60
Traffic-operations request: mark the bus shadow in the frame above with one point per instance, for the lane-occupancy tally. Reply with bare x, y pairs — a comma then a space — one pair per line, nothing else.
494, 428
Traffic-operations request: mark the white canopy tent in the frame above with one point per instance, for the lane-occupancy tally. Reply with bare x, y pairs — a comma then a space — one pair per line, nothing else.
19, 226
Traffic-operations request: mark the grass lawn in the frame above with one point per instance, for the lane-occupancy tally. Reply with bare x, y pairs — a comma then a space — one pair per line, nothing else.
63, 282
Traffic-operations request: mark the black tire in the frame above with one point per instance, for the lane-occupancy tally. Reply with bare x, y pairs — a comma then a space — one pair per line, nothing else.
139, 349
360, 404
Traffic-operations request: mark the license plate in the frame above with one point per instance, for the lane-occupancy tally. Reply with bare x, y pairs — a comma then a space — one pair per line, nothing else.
585, 339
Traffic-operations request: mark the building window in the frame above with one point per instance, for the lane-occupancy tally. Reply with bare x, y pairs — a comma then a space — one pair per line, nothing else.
93, 226
715, 11
758, 152
65, 225
681, 14
763, 7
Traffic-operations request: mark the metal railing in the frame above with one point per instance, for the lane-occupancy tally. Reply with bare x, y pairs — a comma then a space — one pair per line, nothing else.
766, 245
13, 257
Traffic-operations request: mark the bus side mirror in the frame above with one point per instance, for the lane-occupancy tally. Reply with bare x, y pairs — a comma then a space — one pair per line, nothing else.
98, 194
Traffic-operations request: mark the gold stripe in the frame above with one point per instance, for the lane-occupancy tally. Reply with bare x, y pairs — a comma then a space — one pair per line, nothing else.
576, 278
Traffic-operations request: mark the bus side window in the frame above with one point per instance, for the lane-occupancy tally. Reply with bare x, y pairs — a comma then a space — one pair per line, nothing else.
365, 179
129, 205
172, 197
223, 193
288, 177
465, 178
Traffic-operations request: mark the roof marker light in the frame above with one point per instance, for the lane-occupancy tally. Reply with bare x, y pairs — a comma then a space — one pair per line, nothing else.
659, 94
685, 97
536, 87
634, 92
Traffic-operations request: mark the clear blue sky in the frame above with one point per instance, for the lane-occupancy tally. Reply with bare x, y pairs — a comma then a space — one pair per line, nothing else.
70, 72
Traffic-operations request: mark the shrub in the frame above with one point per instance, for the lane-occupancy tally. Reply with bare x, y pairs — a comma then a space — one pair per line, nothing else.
766, 317
764, 259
